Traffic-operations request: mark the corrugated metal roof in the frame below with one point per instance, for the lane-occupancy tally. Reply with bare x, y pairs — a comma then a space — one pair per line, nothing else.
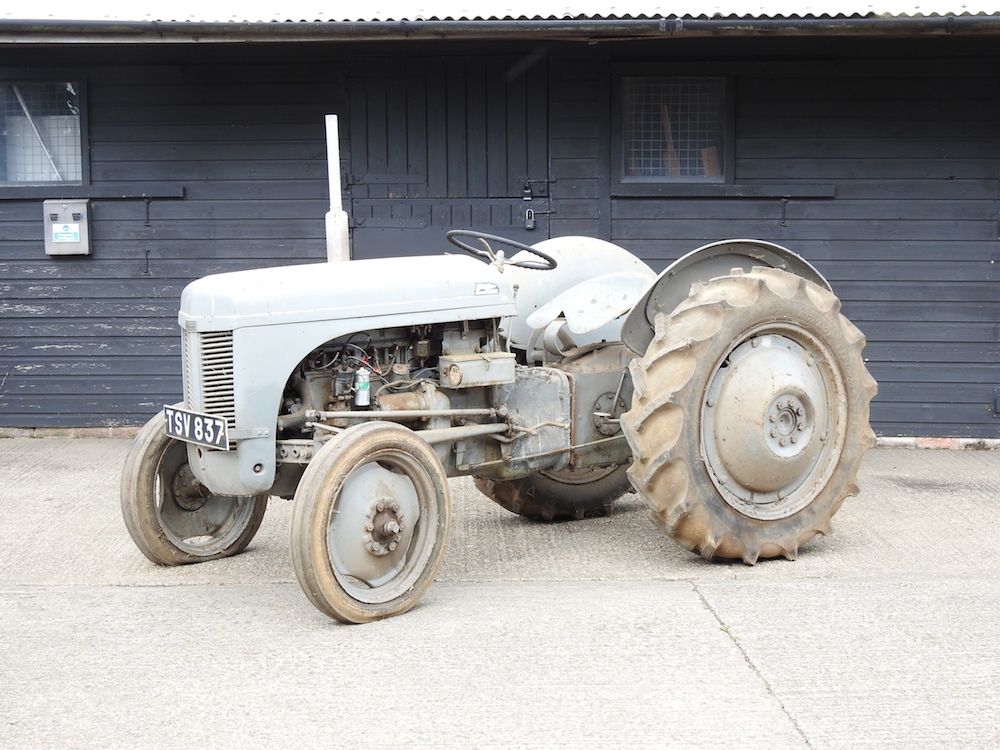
311, 11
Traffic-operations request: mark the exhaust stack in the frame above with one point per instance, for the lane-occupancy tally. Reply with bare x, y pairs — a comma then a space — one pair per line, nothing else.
338, 242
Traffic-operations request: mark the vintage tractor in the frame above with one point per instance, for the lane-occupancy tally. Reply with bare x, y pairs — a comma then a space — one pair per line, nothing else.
729, 392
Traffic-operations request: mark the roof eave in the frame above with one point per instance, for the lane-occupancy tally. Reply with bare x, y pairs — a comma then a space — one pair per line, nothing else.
49, 32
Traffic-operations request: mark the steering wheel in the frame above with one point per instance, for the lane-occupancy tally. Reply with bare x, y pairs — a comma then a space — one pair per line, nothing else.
497, 258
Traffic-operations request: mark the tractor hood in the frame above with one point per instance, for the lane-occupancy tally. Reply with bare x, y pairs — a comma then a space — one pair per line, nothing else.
355, 289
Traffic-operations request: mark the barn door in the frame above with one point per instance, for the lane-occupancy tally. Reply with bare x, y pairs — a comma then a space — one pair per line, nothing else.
446, 143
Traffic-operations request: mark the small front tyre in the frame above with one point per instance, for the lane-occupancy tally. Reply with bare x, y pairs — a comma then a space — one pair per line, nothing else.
173, 518
370, 523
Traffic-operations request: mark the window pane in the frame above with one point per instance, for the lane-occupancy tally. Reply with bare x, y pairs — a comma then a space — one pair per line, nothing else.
674, 128
40, 127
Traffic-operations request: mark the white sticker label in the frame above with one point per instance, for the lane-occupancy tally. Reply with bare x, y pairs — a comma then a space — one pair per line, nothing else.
484, 288
66, 233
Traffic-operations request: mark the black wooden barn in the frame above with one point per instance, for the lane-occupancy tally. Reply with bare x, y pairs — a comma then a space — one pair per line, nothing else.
868, 143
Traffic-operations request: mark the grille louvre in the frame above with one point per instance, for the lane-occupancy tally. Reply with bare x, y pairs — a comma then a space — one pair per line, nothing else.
208, 371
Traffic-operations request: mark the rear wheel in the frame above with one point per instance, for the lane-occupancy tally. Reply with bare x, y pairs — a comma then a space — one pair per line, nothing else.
370, 523
750, 416
173, 518
566, 495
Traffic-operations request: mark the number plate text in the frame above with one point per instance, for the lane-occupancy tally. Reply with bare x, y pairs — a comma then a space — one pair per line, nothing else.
201, 429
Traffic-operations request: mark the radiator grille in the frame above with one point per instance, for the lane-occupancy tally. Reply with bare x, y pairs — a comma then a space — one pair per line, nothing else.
208, 373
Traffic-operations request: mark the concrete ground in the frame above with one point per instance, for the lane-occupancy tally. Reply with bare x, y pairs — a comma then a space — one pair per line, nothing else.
596, 634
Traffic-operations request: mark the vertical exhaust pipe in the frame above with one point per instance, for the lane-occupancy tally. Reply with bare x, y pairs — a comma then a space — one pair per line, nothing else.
338, 243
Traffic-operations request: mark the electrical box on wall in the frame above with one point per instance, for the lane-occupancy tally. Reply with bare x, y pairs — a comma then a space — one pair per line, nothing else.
67, 227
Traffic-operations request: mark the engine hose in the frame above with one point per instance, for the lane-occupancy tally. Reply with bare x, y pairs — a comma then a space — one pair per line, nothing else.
298, 417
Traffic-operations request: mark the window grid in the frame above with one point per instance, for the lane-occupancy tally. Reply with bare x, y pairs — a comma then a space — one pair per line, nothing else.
41, 133
674, 128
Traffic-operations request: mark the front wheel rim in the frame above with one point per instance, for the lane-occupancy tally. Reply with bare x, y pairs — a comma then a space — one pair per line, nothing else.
193, 519
380, 532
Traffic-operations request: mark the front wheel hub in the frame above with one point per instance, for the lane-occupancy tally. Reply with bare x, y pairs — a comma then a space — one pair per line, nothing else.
188, 492
384, 527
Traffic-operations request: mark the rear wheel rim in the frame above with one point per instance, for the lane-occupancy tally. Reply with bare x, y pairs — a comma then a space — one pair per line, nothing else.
770, 433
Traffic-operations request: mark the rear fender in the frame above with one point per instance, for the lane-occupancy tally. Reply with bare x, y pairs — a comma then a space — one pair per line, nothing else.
581, 261
708, 262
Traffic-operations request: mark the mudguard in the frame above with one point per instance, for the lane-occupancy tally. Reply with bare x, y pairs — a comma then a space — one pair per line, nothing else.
592, 279
708, 262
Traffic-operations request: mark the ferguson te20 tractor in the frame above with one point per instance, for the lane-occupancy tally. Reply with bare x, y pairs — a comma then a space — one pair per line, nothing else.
728, 391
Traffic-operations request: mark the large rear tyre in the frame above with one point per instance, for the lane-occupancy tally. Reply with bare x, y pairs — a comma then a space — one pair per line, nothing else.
173, 518
567, 495
370, 523
750, 416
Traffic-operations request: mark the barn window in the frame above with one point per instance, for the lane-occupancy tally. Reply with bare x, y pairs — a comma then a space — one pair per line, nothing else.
40, 134
674, 129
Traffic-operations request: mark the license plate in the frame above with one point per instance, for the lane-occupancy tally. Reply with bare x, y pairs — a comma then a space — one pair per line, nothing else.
200, 429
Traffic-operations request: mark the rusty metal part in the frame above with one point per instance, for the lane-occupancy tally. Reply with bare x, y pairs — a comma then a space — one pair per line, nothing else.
384, 527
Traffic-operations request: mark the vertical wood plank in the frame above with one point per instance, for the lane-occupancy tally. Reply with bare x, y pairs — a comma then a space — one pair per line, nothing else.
458, 137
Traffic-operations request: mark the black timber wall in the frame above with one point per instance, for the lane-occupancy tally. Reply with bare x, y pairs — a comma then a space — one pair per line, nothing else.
897, 142
894, 149
230, 151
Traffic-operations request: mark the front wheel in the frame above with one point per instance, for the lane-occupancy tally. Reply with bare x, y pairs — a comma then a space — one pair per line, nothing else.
750, 416
173, 518
370, 523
